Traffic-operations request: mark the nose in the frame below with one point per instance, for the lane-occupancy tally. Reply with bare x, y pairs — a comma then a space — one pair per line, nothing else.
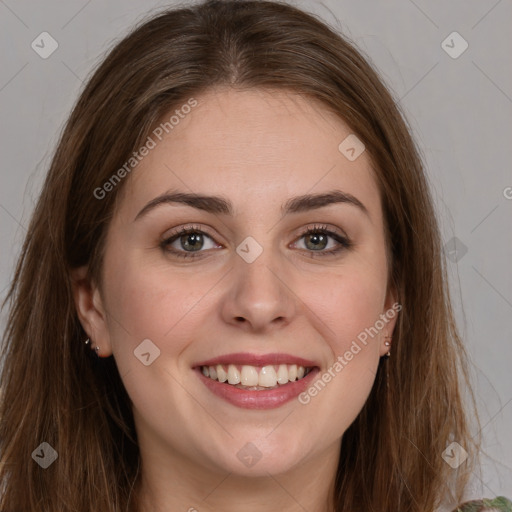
260, 296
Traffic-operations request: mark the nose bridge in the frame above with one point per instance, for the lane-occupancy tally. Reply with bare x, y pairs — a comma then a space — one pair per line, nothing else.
256, 269
259, 292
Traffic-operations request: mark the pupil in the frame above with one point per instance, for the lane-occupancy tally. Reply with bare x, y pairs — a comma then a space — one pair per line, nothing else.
192, 237
316, 236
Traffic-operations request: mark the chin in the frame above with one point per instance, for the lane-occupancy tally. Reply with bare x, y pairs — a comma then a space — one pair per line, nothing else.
260, 457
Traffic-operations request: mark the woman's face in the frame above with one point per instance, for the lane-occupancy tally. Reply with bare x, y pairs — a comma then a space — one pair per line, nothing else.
255, 291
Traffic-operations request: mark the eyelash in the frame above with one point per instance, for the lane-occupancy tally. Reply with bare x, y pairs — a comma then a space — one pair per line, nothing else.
342, 240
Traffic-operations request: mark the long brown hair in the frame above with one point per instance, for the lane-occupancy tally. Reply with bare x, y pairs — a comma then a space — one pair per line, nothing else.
56, 391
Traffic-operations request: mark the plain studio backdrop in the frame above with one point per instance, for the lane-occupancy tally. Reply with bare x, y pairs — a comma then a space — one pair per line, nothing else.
448, 65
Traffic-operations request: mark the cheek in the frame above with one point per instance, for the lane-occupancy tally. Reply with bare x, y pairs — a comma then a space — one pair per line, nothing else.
349, 313
347, 303
145, 299
156, 303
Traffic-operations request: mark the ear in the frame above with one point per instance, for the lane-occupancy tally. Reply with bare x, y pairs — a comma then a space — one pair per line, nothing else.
391, 312
91, 311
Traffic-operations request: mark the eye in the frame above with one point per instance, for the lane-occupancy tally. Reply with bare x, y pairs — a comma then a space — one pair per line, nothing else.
317, 237
191, 239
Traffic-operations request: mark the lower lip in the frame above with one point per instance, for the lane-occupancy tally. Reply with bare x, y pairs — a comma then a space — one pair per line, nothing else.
258, 399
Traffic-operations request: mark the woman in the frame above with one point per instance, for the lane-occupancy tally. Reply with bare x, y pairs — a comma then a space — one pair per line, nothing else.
305, 358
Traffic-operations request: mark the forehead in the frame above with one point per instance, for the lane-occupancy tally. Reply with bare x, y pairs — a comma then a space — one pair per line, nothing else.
254, 146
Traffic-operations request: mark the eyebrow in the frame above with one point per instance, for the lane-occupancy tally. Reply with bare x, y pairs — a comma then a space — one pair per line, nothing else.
220, 205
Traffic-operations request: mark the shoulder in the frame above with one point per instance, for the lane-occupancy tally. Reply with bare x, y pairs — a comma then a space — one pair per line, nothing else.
499, 504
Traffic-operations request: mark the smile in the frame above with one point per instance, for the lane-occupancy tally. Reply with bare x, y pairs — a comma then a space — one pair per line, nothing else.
256, 381
255, 378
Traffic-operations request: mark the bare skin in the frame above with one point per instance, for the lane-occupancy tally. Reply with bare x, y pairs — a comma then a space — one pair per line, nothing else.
257, 150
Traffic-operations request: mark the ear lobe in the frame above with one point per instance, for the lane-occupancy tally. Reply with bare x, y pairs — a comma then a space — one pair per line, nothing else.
90, 310
391, 311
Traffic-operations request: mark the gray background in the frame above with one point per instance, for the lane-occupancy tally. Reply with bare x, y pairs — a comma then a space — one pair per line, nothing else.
459, 110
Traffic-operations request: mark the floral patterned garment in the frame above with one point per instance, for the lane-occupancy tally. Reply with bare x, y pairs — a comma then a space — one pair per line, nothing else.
499, 504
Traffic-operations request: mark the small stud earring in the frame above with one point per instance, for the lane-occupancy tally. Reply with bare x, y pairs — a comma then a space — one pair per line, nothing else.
97, 349
388, 344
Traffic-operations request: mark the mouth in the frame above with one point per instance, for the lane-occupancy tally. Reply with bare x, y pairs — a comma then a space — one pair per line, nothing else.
256, 378
255, 381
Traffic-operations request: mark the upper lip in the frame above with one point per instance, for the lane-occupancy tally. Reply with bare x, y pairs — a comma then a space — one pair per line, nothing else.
244, 358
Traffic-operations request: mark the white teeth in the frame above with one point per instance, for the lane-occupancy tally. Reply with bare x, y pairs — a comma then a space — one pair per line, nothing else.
267, 377
292, 372
255, 377
249, 376
282, 374
233, 375
222, 376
